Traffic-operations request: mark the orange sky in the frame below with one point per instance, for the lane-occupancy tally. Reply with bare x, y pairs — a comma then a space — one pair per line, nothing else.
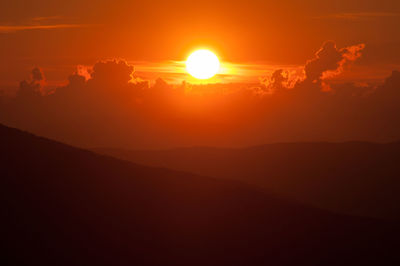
111, 73
254, 36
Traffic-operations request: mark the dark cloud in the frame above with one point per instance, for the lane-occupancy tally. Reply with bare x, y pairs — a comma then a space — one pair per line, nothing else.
389, 92
327, 58
76, 80
33, 87
329, 61
112, 72
37, 74
393, 81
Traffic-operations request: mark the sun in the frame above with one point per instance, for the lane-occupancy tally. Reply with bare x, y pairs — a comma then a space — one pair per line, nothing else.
202, 64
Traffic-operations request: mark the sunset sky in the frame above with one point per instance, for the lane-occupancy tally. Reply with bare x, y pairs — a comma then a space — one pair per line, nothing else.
252, 38
289, 71
208, 132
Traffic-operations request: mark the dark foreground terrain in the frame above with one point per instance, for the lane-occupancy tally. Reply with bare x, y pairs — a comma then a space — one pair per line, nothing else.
355, 178
66, 206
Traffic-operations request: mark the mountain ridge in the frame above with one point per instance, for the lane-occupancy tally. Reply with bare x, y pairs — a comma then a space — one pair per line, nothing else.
311, 173
67, 206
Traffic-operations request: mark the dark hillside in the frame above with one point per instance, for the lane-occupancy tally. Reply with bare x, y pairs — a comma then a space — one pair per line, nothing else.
356, 178
66, 206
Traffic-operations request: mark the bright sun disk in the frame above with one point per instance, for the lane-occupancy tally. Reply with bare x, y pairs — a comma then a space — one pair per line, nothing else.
202, 64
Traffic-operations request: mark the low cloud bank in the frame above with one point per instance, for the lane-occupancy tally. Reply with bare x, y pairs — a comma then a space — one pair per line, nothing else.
107, 106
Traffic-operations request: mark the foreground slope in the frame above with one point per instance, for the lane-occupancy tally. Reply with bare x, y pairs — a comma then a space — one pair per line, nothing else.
66, 206
353, 177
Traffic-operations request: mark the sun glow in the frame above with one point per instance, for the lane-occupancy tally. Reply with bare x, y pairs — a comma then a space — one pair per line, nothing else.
202, 64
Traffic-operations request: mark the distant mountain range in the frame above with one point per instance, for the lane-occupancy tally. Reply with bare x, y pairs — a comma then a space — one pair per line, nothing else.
67, 206
354, 178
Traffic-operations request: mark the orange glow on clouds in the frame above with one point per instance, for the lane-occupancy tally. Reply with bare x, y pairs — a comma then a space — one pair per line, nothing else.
229, 72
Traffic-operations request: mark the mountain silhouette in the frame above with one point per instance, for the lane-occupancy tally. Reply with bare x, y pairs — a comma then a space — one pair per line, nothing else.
67, 206
355, 178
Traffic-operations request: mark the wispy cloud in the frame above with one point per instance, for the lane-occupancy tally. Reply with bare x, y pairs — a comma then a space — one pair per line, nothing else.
15, 28
175, 71
42, 23
358, 15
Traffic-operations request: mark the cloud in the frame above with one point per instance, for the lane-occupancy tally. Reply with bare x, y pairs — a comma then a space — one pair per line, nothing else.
328, 62
37, 75
115, 72
110, 108
390, 90
42, 23
327, 58
33, 87
15, 28
394, 80
281, 79
84, 71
